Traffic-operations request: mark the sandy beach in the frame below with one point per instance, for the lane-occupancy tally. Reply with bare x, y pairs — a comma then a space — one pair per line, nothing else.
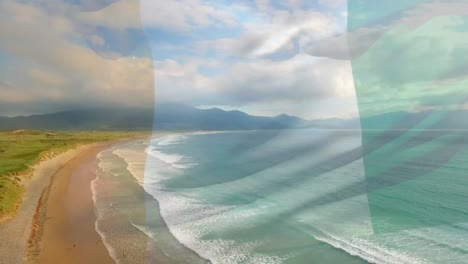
58, 220
66, 232
18, 229
55, 223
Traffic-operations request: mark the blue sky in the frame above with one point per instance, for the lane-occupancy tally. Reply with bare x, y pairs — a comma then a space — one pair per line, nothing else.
269, 57
60, 55
262, 57
250, 55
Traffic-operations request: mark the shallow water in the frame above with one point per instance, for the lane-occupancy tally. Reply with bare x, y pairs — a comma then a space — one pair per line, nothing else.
295, 196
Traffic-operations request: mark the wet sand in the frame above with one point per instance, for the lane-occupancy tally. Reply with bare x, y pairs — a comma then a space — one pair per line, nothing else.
57, 220
66, 227
16, 231
129, 217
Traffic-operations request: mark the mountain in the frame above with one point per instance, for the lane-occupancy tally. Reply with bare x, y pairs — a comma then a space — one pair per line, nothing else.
167, 116
427, 120
183, 117
90, 119
171, 117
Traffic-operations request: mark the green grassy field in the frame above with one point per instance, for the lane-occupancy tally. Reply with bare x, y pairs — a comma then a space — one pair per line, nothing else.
21, 149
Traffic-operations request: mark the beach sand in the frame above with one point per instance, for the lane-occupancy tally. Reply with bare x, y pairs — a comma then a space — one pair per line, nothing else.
66, 228
57, 220
16, 232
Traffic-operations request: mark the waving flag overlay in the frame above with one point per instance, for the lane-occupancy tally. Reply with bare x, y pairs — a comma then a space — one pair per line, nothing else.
409, 66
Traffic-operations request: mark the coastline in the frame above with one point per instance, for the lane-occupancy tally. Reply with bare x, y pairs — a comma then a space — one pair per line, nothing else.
57, 219
124, 207
53, 214
18, 228
67, 226
85, 214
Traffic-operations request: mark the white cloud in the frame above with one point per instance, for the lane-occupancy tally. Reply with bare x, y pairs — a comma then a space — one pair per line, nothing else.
276, 31
97, 40
128, 12
299, 79
417, 55
182, 15
250, 79
61, 69
49, 68
333, 3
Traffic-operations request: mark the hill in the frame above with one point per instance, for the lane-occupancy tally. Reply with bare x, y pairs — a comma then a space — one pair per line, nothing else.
166, 116
183, 117
179, 117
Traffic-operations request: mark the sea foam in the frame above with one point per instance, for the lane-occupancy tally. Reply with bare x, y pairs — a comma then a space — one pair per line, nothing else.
192, 220
188, 219
104, 167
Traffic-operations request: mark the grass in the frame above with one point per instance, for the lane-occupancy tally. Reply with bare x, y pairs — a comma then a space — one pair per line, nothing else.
21, 149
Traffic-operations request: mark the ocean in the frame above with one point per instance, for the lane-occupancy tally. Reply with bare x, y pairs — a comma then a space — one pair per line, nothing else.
286, 196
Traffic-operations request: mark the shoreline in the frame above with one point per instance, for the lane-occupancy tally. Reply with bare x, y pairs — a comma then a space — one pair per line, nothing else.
57, 220
42, 210
20, 225
66, 232
124, 207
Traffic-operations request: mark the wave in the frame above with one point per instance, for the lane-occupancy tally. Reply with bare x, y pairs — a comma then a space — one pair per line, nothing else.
135, 162
170, 140
192, 220
166, 158
142, 229
187, 219
174, 160
105, 240
367, 250
148, 233
185, 166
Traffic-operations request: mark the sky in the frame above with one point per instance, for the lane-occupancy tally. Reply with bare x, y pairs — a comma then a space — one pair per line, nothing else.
264, 57
69, 54
248, 55
409, 56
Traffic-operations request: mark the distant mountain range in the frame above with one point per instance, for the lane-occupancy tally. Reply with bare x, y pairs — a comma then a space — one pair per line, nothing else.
177, 117
183, 117
167, 116
91, 119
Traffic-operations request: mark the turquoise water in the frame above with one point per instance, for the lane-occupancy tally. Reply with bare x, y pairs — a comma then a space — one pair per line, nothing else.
292, 196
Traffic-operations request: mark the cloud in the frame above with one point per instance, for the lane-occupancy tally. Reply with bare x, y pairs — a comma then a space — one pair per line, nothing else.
50, 66
352, 44
182, 16
279, 31
338, 46
241, 54
123, 14
333, 3
97, 40
261, 64
299, 79
413, 61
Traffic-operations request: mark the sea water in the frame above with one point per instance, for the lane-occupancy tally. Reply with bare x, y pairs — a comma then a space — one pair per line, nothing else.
288, 196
